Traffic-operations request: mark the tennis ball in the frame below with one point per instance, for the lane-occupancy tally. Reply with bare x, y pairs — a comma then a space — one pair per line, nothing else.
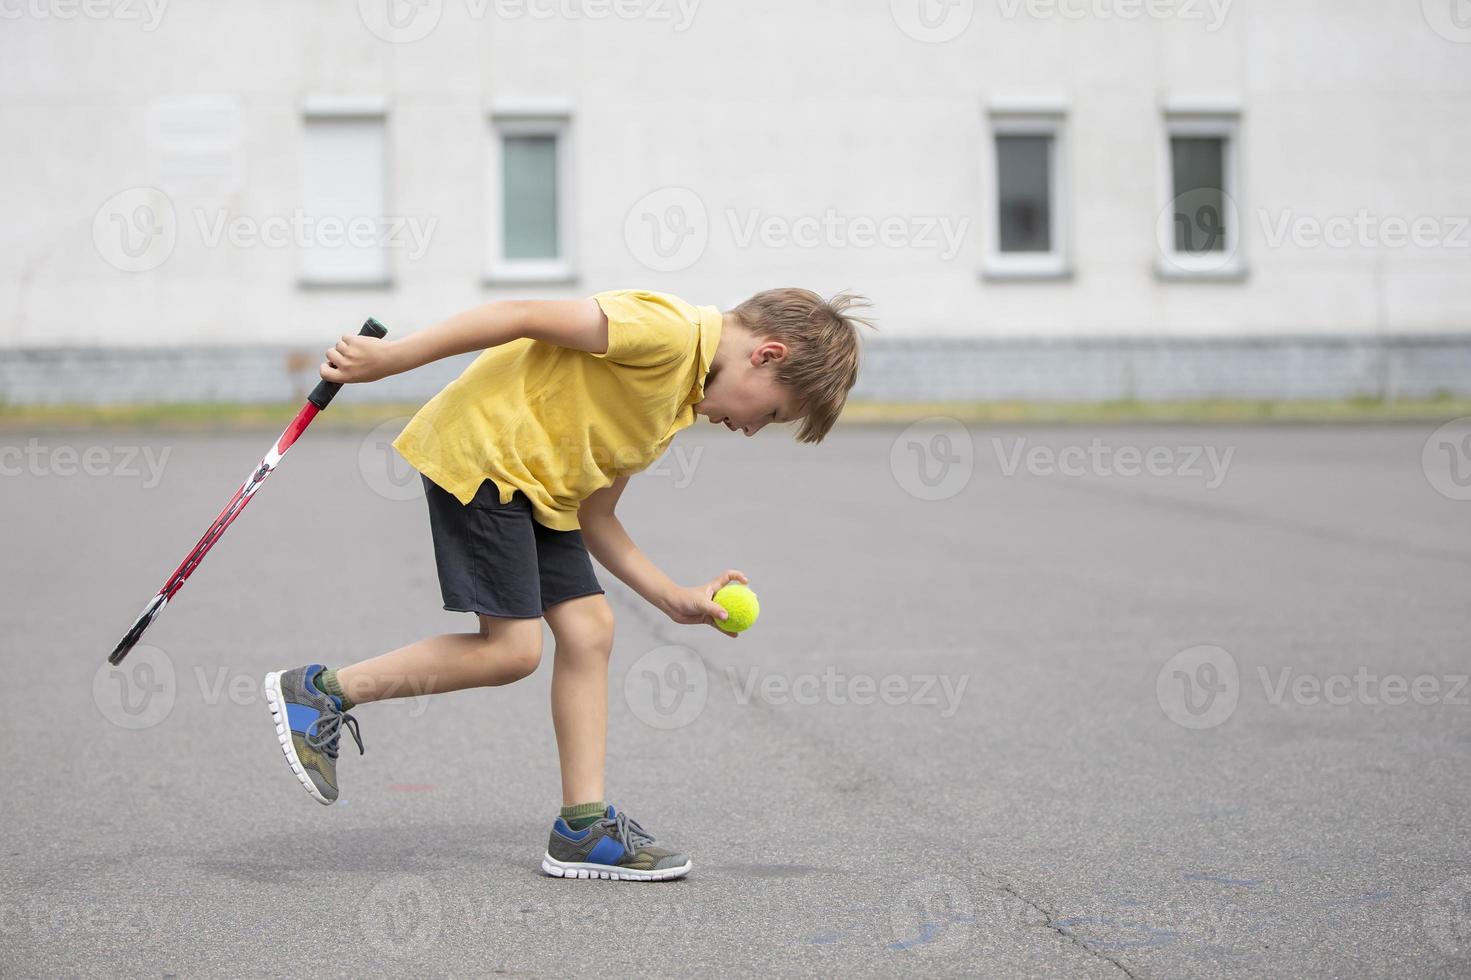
740, 602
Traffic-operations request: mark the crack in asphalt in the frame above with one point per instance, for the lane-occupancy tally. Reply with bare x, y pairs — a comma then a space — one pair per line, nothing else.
1050, 921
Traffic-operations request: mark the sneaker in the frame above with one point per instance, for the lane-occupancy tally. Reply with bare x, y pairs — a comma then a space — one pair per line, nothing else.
308, 726
615, 847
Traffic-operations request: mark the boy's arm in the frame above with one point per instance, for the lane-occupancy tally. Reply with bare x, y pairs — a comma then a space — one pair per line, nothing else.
610, 544
576, 323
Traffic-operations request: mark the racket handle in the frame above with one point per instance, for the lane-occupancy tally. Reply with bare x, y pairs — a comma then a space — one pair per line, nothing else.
325, 391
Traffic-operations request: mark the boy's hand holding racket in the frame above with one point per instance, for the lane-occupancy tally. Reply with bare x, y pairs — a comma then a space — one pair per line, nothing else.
356, 358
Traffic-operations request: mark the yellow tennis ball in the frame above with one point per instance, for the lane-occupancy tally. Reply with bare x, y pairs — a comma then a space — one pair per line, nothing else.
740, 602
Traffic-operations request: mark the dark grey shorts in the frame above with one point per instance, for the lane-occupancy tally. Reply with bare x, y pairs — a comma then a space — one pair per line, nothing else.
495, 560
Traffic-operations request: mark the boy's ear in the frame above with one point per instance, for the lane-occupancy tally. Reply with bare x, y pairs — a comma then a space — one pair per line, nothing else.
768, 351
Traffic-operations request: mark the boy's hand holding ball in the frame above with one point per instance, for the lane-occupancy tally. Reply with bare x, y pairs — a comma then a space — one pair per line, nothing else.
725, 602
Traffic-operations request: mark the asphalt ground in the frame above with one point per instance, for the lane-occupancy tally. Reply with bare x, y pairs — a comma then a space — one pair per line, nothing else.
1055, 702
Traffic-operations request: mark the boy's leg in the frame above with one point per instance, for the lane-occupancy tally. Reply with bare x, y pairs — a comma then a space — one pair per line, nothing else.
309, 720
504, 650
583, 630
614, 846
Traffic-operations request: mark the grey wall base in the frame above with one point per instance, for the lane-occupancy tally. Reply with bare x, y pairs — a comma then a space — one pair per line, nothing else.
1092, 370
1170, 369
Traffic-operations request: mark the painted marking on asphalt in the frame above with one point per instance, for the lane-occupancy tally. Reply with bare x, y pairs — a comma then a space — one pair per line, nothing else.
1217, 879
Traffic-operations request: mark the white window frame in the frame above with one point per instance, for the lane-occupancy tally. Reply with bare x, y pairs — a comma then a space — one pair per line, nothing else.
331, 107
1036, 120
1221, 122
529, 121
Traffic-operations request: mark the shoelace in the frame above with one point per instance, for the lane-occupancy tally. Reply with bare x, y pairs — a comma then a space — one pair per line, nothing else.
628, 832
329, 732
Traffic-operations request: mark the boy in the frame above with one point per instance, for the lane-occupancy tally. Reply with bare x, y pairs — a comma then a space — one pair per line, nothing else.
523, 459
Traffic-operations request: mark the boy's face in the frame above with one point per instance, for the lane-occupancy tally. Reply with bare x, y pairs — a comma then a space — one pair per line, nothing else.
745, 396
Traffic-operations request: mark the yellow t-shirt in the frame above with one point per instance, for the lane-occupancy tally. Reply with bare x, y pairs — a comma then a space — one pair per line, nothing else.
558, 424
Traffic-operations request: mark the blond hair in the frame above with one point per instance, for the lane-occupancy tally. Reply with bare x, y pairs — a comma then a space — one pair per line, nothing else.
822, 340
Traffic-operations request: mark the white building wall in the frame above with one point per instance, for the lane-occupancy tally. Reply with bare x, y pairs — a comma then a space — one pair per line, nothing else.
759, 109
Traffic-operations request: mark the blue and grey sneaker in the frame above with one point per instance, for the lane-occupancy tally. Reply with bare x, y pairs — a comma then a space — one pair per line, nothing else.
615, 847
308, 726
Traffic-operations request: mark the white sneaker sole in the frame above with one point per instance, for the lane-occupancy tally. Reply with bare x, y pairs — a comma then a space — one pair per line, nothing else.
571, 869
272, 689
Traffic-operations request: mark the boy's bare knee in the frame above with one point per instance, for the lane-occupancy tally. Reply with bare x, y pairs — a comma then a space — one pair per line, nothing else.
524, 659
514, 645
584, 626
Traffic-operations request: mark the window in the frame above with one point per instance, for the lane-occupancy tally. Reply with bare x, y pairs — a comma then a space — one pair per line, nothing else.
1200, 227
343, 194
1025, 191
527, 196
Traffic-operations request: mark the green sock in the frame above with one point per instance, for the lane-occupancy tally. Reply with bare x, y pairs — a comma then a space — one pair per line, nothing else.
326, 682
580, 815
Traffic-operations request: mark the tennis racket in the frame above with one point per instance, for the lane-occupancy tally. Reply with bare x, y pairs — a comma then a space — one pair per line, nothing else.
318, 400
